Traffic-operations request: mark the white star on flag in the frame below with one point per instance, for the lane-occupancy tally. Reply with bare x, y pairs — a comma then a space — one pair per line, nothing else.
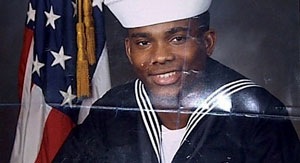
37, 66
51, 17
75, 8
68, 96
60, 58
30, 14
98, 3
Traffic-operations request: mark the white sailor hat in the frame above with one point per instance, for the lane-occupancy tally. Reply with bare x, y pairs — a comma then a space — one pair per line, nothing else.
139, 13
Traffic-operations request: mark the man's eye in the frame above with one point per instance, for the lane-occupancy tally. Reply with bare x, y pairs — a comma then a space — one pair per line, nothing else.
143, 43
178, 39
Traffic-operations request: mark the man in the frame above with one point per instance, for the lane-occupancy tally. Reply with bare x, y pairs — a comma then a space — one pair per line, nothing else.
184, 106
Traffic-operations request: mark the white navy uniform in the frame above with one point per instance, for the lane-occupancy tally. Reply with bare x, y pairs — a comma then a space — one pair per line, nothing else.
125, 128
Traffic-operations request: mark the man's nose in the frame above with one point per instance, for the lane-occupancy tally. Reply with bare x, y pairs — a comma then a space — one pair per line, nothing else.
161, 54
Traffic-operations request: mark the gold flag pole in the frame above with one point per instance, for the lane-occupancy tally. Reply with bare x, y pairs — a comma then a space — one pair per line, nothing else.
82, 75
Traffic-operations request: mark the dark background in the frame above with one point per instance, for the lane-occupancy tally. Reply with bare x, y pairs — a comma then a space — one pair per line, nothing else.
259, 39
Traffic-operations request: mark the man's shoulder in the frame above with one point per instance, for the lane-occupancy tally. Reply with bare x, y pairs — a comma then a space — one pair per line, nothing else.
119, 96
258, 102
218, 74
245, 95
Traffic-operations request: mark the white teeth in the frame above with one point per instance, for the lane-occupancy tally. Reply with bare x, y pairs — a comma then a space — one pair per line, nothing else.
166, 75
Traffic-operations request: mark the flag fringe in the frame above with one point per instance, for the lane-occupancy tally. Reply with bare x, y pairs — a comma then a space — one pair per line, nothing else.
86, 47
82, 74
83, 89
89, 31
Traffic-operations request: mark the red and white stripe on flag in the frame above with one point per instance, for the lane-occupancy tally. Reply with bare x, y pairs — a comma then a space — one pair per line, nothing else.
42, 128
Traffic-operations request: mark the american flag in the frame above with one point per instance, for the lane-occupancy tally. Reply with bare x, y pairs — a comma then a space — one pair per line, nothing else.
47, 79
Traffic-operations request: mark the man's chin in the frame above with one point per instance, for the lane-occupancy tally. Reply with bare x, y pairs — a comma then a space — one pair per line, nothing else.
165, 100
165, 95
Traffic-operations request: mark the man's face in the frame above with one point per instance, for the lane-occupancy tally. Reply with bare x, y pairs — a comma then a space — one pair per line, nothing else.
168, 56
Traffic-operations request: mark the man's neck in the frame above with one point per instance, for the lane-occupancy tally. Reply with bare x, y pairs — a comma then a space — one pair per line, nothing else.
173, 120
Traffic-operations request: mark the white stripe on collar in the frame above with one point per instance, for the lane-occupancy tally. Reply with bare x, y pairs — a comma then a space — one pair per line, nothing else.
154, 131
212, 100
151, 121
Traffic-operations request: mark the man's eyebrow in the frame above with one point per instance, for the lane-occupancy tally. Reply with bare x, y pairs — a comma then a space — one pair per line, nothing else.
140, 34
178, 29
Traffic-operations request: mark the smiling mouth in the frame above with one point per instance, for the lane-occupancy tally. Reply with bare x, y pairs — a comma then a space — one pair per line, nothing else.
166, 78
166, 75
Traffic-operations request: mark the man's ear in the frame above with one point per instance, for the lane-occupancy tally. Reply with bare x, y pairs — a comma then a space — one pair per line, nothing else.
210, 41
127, 48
